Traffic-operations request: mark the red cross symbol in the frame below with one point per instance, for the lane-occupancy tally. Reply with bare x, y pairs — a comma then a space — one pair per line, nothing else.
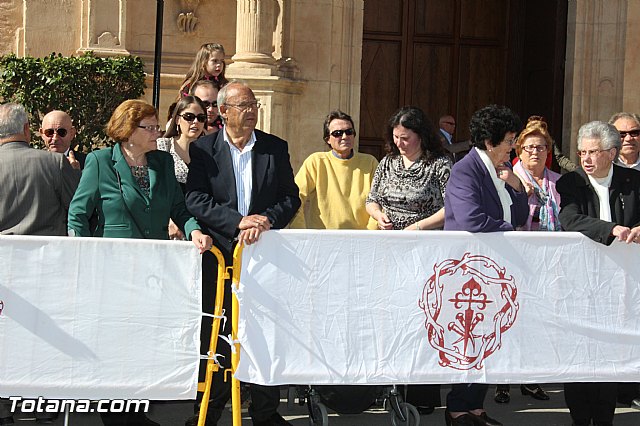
470, 295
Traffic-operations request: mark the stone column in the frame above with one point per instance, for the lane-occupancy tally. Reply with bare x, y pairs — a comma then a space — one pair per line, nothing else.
594, 74
254, 38
104, 27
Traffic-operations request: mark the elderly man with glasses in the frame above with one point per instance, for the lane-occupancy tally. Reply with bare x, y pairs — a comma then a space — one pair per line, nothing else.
240, 185
628, 125
57, 133
602, 201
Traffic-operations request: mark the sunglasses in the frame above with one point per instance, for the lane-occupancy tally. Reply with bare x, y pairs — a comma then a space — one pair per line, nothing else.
189, 117
339, 133
60, 131
208, 104
633, 133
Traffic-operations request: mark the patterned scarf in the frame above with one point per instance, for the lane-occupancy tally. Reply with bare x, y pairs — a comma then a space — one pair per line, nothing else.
548, 216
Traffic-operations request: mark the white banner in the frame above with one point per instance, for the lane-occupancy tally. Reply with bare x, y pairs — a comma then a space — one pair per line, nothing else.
383, 307
99, 318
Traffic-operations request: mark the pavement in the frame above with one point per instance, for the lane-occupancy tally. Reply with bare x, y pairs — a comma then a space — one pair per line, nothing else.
521, 411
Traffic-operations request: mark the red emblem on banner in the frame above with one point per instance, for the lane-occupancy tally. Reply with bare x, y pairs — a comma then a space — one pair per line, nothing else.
469, 304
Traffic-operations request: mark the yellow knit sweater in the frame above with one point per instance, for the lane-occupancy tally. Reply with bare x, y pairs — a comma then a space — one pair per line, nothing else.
333, 192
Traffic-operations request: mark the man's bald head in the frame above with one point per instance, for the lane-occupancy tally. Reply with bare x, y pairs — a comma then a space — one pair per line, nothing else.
57, 131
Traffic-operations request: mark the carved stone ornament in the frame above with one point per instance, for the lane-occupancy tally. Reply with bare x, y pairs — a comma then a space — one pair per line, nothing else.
187, 19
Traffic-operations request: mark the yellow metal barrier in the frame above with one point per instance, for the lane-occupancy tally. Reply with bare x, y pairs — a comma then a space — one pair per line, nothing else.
212, 367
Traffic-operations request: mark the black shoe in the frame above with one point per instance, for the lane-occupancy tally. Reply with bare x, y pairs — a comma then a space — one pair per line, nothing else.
463, 420
7, 421
535, 391
502, 396
275, 420
425, 410
484, 420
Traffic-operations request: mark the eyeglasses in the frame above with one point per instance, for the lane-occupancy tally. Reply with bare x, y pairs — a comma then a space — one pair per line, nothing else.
62, 132
189, 117
151, 128
590, 153
450, 123
208, 104
534, 148
339, 133
245, 107
633, 133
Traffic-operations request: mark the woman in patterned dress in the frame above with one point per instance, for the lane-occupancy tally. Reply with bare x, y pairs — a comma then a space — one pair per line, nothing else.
408, 188
186, 125
408, 193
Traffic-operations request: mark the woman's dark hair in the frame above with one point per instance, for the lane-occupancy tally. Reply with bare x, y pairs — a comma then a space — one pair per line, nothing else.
335, 115
182, 104
492, 123
414, 119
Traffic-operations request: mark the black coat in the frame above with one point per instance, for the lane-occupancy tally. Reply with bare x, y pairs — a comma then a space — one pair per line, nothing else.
211, 189
580, 205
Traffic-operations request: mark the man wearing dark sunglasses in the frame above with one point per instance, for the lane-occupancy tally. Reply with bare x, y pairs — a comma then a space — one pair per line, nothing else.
334, 184
57, 132
207, 91
628, 125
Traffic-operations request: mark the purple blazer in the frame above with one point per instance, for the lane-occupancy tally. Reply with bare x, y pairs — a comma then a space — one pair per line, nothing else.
472, 203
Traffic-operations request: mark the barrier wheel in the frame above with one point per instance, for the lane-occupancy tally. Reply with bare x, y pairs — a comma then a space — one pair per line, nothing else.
318, 414
407, 415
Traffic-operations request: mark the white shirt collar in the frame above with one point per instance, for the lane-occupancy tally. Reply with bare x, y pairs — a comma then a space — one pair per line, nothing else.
501, 189
601, 187
247, 147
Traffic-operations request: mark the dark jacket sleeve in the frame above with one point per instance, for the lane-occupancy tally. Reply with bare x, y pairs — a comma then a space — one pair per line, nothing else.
287, 201
575, 214
204, 200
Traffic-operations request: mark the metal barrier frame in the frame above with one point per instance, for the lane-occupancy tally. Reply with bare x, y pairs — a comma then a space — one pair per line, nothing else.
223, 275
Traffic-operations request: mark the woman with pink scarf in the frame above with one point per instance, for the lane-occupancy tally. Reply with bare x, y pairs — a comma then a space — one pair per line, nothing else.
533, 146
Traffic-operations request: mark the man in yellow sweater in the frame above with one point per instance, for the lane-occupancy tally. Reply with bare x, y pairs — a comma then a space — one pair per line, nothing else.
334, 184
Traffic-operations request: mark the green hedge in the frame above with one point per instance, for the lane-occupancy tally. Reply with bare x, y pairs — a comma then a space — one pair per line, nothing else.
89, 88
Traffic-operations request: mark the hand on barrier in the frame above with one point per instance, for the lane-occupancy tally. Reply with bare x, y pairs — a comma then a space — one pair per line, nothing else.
202, 241
249, 236
255, 221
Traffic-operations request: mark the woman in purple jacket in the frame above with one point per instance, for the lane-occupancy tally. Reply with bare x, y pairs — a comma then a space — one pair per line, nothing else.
483, 195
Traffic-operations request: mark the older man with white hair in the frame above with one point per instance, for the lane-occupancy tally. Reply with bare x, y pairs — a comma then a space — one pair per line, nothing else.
602, 201
37, 187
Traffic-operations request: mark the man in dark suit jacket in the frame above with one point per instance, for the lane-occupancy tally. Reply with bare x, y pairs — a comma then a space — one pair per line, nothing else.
37, 187
240, 184
602, 201
57, 133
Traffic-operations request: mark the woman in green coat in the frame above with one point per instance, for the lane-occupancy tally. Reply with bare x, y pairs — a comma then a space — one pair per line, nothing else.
132, 186
133, 190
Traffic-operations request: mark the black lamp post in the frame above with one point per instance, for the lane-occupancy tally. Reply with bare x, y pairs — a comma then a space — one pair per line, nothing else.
157, 53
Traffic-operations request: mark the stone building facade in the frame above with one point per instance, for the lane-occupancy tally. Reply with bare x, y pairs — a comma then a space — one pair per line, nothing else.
303, 57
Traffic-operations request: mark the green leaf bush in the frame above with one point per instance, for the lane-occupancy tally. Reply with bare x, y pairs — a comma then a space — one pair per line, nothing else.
87, 87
